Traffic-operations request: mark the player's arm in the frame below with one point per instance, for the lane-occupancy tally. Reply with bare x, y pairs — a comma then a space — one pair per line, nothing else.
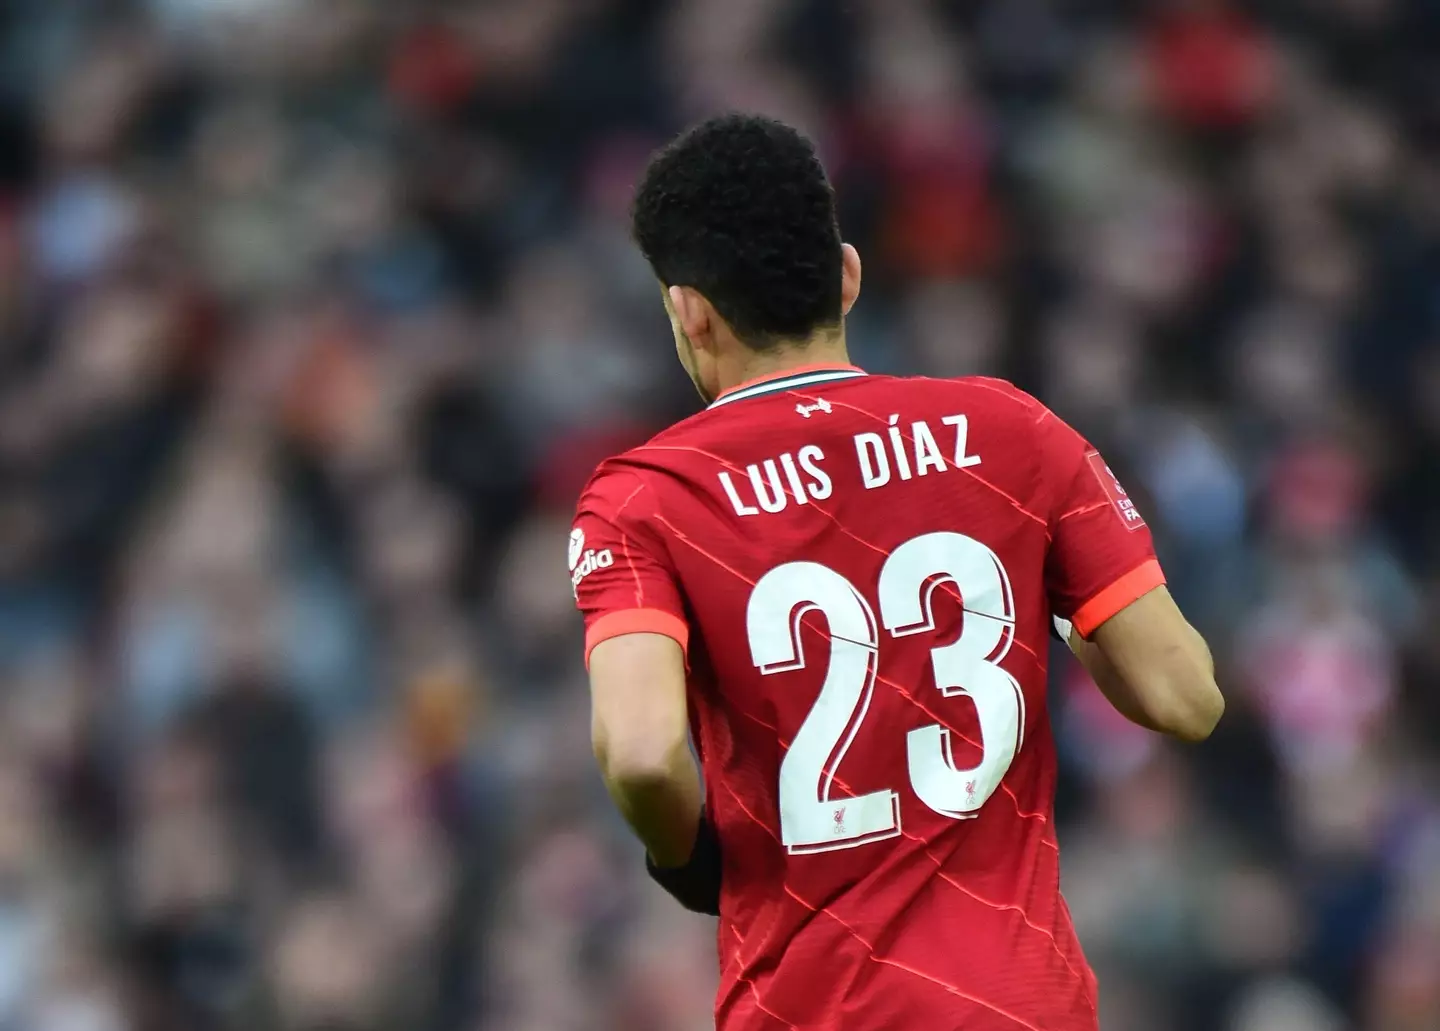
635, 641
640, 731
1154, 667
1103, 576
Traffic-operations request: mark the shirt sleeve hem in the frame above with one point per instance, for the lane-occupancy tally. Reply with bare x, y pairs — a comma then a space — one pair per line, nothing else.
1129, 588
637, 621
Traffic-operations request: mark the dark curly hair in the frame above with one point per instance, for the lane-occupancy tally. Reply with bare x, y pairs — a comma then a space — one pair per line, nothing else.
739, 208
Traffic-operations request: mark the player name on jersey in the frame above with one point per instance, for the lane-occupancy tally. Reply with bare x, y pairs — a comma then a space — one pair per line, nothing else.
770, 485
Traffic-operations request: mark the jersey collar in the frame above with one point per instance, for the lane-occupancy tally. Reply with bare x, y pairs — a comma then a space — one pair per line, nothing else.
789, 379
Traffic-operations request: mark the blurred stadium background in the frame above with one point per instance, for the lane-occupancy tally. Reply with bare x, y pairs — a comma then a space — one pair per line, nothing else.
316, 314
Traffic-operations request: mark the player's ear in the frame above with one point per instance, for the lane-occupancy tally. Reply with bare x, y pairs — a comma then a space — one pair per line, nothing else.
849, 277
693, 313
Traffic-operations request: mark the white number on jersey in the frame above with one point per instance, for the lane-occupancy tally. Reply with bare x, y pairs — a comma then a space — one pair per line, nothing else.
811, 820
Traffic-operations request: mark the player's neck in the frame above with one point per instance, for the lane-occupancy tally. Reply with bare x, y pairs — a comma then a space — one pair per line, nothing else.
822, 350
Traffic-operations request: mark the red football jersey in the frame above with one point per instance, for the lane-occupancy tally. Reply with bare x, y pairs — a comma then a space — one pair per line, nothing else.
863, 569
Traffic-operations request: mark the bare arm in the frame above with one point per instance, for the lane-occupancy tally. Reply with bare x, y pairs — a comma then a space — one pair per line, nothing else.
640, 732
1154, 667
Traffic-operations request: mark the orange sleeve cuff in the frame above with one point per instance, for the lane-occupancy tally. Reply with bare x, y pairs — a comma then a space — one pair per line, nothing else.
637, 621
1130, 587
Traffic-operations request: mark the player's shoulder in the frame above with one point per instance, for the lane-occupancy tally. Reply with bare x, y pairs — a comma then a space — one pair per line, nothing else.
630, 480
614, 486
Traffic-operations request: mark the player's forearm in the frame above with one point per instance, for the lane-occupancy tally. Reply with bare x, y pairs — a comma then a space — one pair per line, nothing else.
659, 795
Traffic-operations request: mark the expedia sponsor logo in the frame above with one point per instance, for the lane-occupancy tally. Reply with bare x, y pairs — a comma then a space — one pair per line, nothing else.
588, 563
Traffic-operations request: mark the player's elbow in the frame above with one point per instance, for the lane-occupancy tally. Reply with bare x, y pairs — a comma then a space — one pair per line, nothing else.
1194, 716
638, 763
1186, 703
637, 773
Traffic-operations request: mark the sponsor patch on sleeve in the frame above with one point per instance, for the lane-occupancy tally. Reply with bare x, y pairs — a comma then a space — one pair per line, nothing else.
1129, 514
584, 561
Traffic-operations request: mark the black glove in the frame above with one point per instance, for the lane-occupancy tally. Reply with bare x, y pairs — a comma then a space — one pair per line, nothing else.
696, 885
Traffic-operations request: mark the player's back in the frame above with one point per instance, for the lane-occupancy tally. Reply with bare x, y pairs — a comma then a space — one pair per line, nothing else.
868, 567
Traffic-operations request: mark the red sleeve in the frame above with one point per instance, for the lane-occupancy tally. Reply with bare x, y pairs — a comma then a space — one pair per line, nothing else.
621, 576
1101, 554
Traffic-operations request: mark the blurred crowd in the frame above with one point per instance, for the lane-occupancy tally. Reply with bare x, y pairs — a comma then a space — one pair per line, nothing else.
315, 315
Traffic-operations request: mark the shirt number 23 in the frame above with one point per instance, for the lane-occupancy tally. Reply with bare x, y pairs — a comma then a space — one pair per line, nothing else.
968, 666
